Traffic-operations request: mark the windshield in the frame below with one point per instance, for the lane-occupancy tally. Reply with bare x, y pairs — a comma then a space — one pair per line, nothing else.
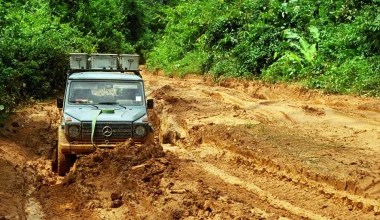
108, 93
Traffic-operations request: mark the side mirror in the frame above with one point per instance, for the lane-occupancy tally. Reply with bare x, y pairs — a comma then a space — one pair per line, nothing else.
60, 103
150, 103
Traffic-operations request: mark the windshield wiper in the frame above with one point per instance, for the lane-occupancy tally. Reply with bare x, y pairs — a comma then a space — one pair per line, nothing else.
110, 103
107, 103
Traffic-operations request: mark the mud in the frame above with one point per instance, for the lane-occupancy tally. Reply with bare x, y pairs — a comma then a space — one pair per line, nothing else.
227, 150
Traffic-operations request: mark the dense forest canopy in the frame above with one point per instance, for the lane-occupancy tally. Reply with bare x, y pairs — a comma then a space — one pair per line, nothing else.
329, 45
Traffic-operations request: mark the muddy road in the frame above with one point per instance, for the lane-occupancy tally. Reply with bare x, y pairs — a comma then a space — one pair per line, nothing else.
230, 150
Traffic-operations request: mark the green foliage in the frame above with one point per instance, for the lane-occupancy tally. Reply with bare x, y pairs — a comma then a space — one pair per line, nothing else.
355, 76
332, 45
183, 38
292, 66
112, 23
33, 47
37, 36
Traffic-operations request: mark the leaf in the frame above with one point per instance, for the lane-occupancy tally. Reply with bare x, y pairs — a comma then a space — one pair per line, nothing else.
275, 55
295, 45
314, 32
293, 56
290, 35
304, 45
313, 49
310, 53
1, 107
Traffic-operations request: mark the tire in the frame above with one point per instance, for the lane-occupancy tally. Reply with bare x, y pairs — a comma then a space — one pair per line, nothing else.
55, 159
150, 137
64, 162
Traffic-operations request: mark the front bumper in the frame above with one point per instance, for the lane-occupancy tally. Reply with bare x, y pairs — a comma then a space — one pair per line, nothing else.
67, 147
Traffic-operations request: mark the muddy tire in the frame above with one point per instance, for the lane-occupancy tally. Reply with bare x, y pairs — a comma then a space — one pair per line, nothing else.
64, 162
150, 137
55, 159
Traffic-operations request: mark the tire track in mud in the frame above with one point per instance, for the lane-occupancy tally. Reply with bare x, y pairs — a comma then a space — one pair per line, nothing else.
278, 189
263, 195
342, 196
291, 189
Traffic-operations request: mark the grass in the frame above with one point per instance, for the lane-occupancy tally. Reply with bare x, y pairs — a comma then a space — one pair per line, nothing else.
263, 129
248, 125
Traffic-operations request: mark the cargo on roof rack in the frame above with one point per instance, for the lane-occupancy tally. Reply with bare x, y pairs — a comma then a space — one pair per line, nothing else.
98, 61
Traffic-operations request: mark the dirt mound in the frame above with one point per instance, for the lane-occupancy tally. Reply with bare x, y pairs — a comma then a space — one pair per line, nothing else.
117, 161
120, 170
160, 93
111, 178
313, 111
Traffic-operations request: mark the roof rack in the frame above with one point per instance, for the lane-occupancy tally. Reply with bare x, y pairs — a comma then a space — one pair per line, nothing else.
83, 62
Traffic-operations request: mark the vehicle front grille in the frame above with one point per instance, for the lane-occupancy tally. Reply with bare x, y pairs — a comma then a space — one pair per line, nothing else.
120, 130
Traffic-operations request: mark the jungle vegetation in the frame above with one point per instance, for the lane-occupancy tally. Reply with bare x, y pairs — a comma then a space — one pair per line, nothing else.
329, 45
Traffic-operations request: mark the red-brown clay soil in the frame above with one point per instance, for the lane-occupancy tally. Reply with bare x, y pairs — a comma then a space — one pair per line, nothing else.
227, 150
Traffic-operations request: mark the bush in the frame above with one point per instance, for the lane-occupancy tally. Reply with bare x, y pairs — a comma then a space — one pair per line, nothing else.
34, 46
355, 76
330, 45
183, 37
37, 36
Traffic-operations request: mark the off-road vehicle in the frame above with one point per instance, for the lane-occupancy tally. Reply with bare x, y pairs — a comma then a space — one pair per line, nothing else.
104, 104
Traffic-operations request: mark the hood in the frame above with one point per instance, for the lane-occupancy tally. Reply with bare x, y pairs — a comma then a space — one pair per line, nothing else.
120, 114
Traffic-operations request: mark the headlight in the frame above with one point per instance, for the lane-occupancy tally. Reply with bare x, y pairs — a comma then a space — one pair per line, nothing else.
73, 131
140, 130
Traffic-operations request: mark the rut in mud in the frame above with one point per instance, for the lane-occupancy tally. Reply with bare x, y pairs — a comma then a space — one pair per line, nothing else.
232, 150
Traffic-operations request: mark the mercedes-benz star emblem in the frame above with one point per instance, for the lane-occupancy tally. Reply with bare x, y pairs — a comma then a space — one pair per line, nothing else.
107, 131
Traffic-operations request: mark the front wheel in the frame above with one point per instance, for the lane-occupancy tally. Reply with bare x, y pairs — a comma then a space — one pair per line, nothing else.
64, 162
